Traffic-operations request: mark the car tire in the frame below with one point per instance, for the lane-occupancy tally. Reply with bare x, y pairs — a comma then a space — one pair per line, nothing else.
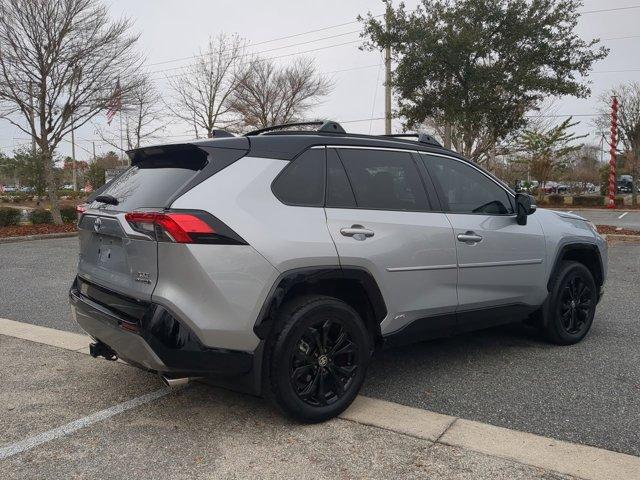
316, 358
572, 304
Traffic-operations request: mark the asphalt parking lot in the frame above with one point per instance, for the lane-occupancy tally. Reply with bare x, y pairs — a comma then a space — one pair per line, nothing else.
83, 406
618, 218
588, 393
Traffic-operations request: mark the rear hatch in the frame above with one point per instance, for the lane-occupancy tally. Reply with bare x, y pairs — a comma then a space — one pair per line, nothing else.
118, 251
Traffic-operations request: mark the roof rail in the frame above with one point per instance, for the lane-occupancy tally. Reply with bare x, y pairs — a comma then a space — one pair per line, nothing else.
325, 126
421, 136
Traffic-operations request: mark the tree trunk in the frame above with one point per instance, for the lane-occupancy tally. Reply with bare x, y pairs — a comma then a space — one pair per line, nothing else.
52, 188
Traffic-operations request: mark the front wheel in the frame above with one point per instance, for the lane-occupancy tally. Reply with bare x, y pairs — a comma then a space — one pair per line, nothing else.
572, 305
317, 358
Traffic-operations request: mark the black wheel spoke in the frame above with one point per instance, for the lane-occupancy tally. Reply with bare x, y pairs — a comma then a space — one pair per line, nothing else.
348, 347
342, 337
575, 304
317, 340
322, 393
336, 381
323, 363
299, 371
311, 387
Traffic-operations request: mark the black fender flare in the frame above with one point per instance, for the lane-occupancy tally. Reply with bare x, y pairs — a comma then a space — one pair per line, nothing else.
590, 248
290, 279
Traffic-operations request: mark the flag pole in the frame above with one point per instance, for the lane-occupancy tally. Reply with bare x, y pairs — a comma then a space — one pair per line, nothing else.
121, 143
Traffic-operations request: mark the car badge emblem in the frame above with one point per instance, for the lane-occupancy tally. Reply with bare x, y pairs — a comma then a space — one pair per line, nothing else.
97, 225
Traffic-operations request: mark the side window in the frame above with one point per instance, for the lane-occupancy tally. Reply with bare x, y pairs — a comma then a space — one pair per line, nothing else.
463, 189
302, 182
339, 193
384, 179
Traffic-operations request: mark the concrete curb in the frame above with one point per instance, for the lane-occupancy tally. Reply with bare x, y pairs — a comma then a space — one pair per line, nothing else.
28, 238
585, 462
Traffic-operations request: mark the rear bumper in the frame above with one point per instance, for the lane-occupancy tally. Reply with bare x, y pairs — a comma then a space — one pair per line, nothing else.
152, 339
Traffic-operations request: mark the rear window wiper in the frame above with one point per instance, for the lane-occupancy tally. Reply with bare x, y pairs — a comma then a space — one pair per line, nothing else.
108, 199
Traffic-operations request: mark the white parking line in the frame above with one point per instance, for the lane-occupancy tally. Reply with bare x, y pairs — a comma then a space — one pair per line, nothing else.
622, 216
29, 443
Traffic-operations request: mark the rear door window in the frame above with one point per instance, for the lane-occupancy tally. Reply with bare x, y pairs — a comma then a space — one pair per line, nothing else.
384, 180
301, 183
152, 181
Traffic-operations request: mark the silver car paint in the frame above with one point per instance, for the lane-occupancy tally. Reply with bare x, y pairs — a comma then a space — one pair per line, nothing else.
112, 257
411, 255
240, 195
218, 290
506, 267
561, 228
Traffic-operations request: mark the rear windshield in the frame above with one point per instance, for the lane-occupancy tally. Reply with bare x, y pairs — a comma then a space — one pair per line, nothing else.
152, 181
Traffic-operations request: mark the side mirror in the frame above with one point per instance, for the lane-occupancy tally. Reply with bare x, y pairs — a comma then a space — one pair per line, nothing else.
525, 205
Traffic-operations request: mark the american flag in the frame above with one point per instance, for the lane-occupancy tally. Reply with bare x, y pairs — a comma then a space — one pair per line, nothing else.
115, 104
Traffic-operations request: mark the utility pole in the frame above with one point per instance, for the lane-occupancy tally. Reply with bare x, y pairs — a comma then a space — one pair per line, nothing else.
387, 81
73, 158
447, 135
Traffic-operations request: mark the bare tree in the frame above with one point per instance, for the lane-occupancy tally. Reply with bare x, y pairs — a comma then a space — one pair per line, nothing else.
270, 95
144, 117
545, 150
585, 166
628, 126
202, 92
59, 62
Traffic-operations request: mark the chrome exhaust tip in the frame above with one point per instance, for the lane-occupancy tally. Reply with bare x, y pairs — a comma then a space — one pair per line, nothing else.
175, 382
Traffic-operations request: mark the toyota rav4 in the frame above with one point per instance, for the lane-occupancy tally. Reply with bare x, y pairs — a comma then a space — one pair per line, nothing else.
279, 261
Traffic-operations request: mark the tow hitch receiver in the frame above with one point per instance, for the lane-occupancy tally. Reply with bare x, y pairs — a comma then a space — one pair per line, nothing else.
99, 349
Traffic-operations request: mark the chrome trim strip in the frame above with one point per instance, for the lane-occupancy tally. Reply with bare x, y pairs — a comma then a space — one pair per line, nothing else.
425, 267
358, 147
505, 263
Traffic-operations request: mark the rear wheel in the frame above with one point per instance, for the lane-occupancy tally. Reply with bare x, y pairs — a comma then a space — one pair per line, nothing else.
317, 358
572, 304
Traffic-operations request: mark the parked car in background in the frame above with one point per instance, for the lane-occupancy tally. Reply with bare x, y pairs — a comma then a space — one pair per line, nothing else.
8, 189
27, 189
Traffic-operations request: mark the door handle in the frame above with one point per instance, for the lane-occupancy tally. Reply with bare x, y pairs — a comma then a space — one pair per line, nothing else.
469, 237
358, 232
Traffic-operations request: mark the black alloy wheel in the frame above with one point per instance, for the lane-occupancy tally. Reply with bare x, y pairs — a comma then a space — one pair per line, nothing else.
576, 303
324, 362
316, 358
571, 305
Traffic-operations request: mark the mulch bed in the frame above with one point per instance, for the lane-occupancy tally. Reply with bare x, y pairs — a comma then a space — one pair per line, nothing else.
24, 230
609, 229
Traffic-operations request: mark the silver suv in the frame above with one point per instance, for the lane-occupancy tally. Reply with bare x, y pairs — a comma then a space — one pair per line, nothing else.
277, 262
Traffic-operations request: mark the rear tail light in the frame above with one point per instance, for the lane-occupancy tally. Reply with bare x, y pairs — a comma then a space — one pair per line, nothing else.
183, 227
80, 209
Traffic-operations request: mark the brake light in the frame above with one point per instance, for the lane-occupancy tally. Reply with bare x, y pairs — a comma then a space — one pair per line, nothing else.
183, 227
80, 209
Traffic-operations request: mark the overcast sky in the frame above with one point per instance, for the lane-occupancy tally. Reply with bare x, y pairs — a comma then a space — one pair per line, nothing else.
171, 30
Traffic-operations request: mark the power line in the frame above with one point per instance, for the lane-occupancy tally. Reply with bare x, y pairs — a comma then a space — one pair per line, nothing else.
288, 54
258, 53
610, 9
269, 41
